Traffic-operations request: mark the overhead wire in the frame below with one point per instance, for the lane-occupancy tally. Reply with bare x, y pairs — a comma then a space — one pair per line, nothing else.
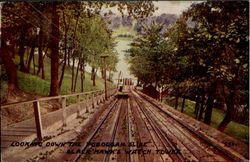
34, 25
29, 22
61, 32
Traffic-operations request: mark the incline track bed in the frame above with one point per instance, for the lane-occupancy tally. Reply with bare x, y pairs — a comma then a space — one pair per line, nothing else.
143, 129
208, 148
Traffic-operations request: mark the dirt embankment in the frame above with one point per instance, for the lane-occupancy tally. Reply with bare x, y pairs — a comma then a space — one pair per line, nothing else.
21, 112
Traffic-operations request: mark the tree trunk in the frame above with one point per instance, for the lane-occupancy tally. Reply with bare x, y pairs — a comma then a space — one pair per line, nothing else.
73, 74
82, 77
176, 100
209, 109
232, 100
12, 47
46, 52
92, 72
54, 87
197, 106
27, 56
210, 103
73, 66
31, 55
22, 51
225, 121
63, 70
41, 64
94, 80
65, 51
183, 103
78, 66
9, 66
69, 59
93, 75
34, 65
202, 107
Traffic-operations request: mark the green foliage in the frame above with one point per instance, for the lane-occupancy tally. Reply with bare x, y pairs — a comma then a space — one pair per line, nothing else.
82, 32
147, 55
211, 45
234, 129
204, 53
35, 85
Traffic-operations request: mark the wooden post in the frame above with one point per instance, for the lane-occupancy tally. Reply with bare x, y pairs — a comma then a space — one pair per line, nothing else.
86, 103
78, 105
64, 110
38, 120
104, 67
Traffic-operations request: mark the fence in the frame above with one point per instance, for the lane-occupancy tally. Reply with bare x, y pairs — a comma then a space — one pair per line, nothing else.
98, 96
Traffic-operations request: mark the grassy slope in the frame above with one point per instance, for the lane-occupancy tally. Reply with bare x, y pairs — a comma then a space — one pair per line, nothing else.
124, 30
33, 84
234, 129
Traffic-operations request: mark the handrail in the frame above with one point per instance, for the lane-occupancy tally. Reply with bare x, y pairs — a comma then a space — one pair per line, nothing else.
37, 112
50, 98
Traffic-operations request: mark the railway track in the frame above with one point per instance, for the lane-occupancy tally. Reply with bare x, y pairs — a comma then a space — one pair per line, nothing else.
199, 146
78, 156
162, 136
111, 127
139, 129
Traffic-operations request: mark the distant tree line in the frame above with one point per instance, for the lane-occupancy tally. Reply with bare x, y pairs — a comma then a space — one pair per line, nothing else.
126, 21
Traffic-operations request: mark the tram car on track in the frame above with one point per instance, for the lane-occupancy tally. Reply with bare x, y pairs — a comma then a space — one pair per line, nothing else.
123, 89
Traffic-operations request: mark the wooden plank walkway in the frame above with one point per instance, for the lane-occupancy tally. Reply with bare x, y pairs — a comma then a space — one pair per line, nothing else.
26, 131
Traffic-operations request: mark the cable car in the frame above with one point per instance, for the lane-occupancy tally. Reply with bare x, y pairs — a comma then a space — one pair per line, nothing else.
123, 91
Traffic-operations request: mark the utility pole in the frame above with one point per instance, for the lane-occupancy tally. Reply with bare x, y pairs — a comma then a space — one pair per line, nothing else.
118, 79
104, 59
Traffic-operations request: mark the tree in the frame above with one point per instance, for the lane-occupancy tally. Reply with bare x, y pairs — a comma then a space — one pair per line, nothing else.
132, 10
29, 16
146, 56
214, 42
54, 87
11, 24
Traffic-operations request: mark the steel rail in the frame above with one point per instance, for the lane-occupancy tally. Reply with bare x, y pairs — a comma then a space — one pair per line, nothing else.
186, 136
94, 133
141, 117
225, 152
113, 133
129, 133
180, 157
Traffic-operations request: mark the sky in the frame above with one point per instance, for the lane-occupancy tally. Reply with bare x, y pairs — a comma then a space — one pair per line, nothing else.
171, 7
168, 7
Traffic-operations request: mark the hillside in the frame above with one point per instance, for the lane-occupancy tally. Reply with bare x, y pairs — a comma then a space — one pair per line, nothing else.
129, 27
33, 87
